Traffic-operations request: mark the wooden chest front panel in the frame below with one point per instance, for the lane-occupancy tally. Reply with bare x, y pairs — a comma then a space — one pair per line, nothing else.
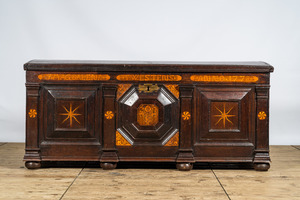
70, 117
225, 119
182, 112
147, 116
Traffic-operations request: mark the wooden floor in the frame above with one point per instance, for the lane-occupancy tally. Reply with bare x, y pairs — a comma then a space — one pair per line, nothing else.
282, 181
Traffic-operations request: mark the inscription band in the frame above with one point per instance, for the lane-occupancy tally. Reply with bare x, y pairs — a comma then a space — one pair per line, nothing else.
221, 78
74, 77
148, 77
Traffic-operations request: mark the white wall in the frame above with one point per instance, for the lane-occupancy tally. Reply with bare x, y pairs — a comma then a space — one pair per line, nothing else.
215, 30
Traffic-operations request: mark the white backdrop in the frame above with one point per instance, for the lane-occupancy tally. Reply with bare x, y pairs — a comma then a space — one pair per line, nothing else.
165, 30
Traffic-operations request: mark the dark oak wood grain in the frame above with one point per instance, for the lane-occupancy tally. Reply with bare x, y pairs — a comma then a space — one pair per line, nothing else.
114, 111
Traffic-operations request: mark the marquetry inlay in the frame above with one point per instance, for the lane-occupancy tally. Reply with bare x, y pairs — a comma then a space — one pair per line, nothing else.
186, 115
32, 113
70, 115
122, 88
174, 89
120, 140
174, 141
148, 77
225, 78
109, 114
224, 115
74, 77
147, 114
262, 115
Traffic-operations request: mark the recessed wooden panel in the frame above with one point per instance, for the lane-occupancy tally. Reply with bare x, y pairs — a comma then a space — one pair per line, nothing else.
150, 117
225, 114
69, 112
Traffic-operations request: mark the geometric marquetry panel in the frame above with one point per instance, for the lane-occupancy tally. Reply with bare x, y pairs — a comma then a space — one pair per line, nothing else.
70, 114
122, 88
147, 115
224, 115
120, 140
174, 141
174, 89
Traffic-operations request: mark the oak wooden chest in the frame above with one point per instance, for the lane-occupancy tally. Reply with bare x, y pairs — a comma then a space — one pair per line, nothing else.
183, 112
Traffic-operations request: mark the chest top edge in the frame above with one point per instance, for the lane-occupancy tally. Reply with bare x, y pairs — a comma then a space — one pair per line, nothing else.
147, 66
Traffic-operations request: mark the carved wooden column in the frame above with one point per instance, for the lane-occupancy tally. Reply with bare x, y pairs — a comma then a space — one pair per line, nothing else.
185, 153
32, 150
109, 156
262, 159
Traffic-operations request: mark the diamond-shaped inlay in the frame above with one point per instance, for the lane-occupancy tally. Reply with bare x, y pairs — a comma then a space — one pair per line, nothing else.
147, 115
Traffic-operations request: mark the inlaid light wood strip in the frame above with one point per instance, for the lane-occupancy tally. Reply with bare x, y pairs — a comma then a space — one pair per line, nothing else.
74, 77
224, 78
148, 77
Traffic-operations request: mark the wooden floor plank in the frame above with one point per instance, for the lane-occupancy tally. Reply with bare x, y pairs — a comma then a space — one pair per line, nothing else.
145, 184
16, 182
297, 146
282, 181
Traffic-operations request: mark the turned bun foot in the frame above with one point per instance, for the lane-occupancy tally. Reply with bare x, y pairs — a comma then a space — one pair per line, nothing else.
32, 165
261, 166
184, 166
108, 166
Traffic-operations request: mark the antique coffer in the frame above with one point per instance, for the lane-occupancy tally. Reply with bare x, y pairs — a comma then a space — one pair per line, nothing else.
181, 112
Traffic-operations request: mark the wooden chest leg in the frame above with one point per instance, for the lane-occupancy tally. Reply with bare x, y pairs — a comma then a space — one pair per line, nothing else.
32, 164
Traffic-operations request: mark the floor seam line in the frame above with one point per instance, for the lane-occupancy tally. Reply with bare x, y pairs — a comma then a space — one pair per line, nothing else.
295, 147
3, 144
71, 184
220, 184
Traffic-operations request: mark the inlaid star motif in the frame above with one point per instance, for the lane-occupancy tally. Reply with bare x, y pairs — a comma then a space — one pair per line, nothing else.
70, 115
224, 116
